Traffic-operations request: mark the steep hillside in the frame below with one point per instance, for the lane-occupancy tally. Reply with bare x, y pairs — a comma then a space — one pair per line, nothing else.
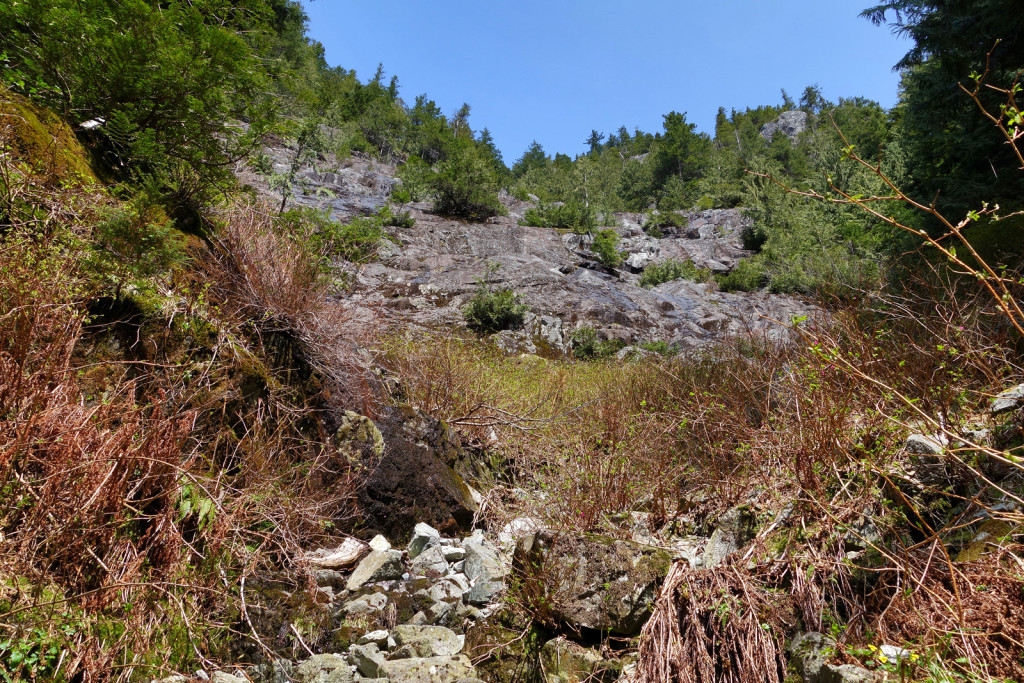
300, 383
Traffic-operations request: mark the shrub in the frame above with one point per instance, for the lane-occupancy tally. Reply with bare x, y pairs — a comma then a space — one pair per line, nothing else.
606, 247
493, 310
417, 178
586, 345
748, 275
465, 186
656, 222
572, 215
666, 271
135, 242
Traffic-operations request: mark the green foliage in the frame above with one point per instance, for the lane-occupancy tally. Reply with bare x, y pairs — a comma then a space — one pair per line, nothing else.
660, 347
748, 275
666, 271
465, 185
572, 215
606, 248
493, 309
656, 221
586, 345
135, 242
417, 178
170, 80
328, 239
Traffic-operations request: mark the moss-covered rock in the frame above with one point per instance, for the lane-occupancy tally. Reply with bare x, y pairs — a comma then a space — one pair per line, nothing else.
411, 483
591, 582
564, 661
41, 139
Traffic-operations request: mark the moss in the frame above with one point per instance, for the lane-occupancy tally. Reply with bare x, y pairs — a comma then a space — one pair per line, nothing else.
44, 141
990, 532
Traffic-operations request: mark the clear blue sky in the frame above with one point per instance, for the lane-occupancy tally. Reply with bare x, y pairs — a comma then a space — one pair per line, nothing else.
554, 70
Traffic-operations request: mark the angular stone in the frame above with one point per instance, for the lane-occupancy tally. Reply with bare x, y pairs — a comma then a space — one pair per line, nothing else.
429, 563
324, 669
482, 560
1008, 400
423, 536
368, 660
429, 670
224, 677
377, 566
483, 592
453, 553
924, 444
378, 638
516, 529
329, 578
427, 641
445, 591
366, 604
379, 543
735, 528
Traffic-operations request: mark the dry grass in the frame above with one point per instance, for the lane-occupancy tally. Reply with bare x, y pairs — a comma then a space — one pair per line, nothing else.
714, 625
156, 461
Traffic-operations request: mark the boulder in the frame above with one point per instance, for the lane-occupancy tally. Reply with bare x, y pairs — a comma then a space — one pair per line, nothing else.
356, 435
412, 483
324, 669
809, 654
735, 528
425, 641
594, 582
277, 671
423, 536
377, 566
429, 670
564, 661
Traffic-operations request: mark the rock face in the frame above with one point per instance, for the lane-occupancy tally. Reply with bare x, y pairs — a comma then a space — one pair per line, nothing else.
440, 261
346, 188
429, 276
595, 582
789, 123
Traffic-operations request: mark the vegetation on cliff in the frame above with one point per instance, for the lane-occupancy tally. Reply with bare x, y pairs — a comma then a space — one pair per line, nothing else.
180, 375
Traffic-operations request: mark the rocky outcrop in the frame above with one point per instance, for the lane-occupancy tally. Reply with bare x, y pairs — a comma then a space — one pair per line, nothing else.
440, 261
789, 123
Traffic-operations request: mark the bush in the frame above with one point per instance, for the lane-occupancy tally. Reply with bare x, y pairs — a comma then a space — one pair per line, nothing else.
748, 275
493, 310
666, 271
135, 242
656, 222
465, 186
586, 345
572, 215
606, 248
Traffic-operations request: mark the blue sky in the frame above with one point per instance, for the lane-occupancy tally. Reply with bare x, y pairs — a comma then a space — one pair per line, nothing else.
554, 70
